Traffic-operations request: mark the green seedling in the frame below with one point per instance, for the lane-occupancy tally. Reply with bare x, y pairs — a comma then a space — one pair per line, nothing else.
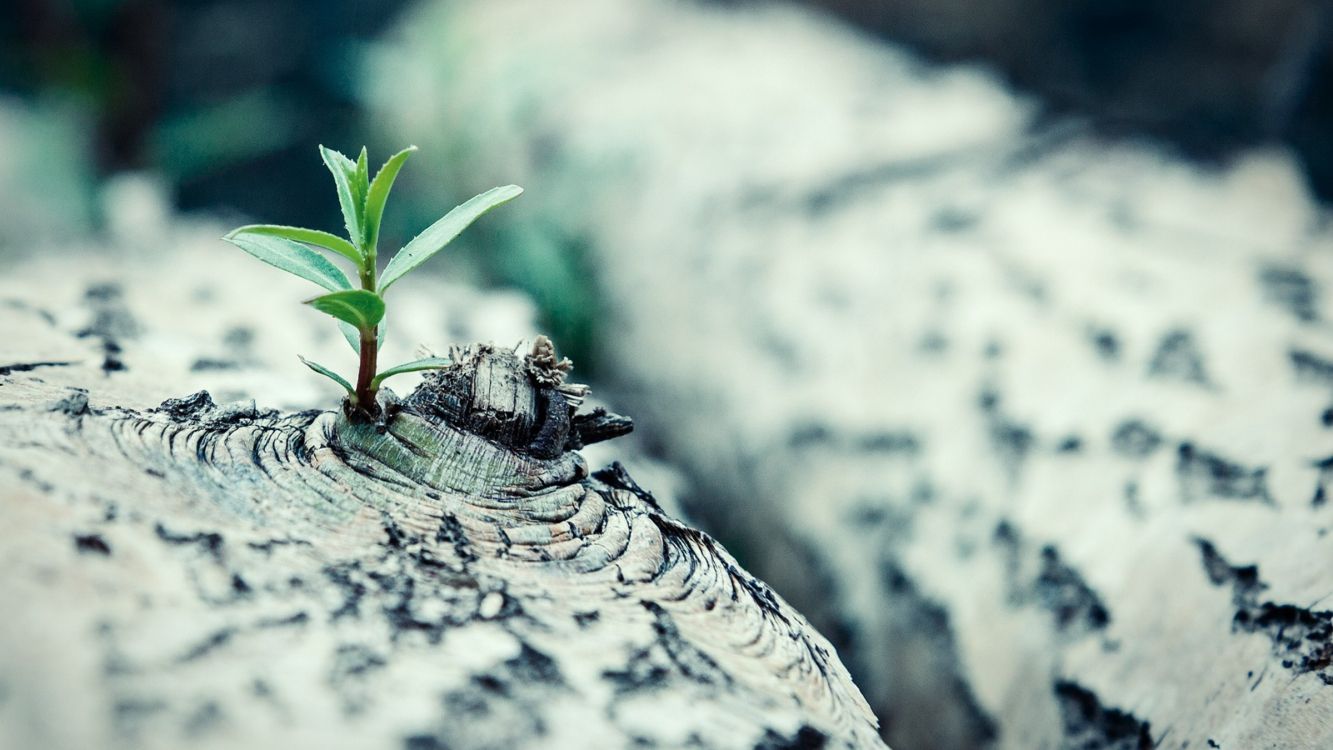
360, 312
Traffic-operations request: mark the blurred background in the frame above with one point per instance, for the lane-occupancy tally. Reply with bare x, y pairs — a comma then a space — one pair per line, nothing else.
906, 290
223, 100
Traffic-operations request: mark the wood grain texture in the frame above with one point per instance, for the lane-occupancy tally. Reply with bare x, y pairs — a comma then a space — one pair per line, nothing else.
222, 575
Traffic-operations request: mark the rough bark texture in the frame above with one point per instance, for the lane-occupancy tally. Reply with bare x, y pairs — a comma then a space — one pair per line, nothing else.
205, 575
1036, 427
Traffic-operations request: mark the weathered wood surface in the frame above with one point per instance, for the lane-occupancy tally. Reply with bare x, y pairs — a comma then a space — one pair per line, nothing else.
1037, 426
183, 573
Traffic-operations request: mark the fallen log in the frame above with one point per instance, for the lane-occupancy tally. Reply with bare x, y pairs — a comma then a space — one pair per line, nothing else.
183, 572
1035, 424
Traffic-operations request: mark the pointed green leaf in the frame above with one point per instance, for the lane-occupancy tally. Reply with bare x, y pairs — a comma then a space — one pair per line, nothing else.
429, 363
437, 235
308, 236
353, 336
360, 307
326, 372
291, 257
379, 194
344, 176
362, 183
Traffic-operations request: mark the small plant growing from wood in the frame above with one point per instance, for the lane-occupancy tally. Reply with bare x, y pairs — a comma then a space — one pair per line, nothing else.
360, 311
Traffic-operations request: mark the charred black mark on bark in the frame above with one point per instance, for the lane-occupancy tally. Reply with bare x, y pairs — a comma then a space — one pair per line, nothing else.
1325, 466
1311, 367
1204, 473
919, 618
1070, 444
1042, 578
1012, 440
534, 667
1105, 343
1134, 438
111, 321
933, 342
214, 641
847, 187
344, 577
1178, 358
29, 366
1302, 638
1063, 591
293, 620
687, 660
130, 714
805, 738
73, 405
423, 742
1292, 290
951, 220
646, 669
21, 305
451, 532
210, 542
617, 477
267, 547
205, 717
352, 661
91, 544
1088, 725
810, 435
498, 708
212, 364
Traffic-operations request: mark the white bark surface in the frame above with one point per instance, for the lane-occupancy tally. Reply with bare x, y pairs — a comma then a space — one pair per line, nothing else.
182, 573
1036, 425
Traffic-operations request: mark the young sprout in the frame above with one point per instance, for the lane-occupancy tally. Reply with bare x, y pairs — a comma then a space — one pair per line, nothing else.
360, 312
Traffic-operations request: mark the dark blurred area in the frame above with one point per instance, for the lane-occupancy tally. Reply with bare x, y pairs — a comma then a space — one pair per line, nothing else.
1206, 76
223, 98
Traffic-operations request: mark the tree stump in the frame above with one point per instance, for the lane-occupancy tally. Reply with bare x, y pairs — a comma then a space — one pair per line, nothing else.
229, 575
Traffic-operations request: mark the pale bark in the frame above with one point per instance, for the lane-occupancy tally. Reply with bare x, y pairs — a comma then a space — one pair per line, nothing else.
179, 573
1009, 411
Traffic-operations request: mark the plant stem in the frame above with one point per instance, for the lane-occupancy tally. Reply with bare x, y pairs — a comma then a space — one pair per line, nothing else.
365, 393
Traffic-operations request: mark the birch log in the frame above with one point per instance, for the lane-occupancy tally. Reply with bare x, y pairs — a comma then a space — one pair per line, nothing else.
1035, 425
182, 572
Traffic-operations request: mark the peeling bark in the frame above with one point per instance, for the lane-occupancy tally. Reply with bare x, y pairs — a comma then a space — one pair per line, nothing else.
222, 574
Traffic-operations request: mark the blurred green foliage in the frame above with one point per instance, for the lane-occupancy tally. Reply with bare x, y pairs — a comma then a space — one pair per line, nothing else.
224, 98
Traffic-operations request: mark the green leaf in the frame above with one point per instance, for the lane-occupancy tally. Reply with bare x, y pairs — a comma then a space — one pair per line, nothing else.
437, 235
362, 183
429, 363
353, 336
291, 257
344, 176
326, 372
308, 236
360, 307
379, 194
